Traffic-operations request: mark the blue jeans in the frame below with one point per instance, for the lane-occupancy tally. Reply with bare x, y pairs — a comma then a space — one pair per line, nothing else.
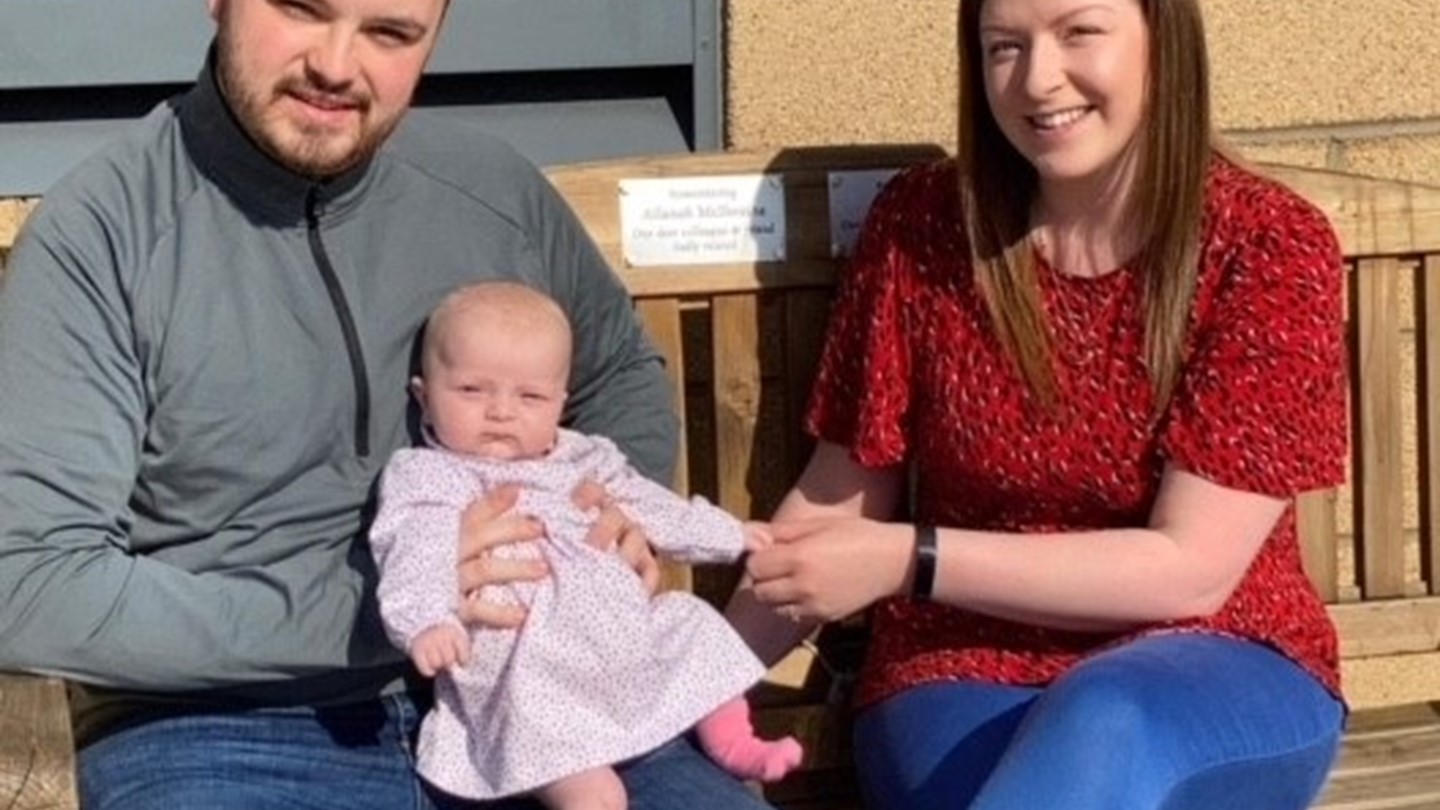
344, 758
1173, 722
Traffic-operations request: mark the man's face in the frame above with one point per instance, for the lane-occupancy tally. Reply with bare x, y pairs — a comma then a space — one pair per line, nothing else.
320, 84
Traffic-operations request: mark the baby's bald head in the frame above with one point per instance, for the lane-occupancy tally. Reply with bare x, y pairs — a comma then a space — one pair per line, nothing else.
505, 310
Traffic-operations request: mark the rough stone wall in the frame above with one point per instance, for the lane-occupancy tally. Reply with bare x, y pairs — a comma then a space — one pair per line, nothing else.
1341, 84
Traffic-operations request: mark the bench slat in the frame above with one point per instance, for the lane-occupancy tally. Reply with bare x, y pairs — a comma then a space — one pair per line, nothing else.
1379, 476
735, 327
1315, 521
1372, 216
12, 213
806, 316
1428, 342
711, 279
35, 744
1388, 626
661, 318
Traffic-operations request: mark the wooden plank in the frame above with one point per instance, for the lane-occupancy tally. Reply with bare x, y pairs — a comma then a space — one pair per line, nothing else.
37, 768
806, 315
1402, 786
1427, 339
1379, 475
1384, 760
734, 392
1315, 521
1386, 721
12, 213
736, 388
728, 278
661, 317
1372, 217
1388, 627
770, 469
1371, 753
592, 189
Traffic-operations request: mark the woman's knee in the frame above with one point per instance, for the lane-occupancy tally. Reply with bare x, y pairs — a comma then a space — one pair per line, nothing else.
1147, 721
934, 745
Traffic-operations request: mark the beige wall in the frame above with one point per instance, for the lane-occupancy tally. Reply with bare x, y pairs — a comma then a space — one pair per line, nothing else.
1347, 85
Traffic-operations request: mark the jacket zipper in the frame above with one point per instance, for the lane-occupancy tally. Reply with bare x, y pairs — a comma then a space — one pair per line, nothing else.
347, 323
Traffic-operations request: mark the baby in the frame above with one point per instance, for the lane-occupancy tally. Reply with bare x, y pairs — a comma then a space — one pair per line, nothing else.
601, 671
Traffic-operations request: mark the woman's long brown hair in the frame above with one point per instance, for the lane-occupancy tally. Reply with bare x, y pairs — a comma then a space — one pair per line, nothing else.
998, 186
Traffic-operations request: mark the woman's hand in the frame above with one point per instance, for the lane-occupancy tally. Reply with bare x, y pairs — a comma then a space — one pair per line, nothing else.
486, 524
829, 568
613, 531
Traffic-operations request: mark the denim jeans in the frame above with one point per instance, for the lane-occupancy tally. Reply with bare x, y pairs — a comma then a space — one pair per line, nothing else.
1173, 722
355, 757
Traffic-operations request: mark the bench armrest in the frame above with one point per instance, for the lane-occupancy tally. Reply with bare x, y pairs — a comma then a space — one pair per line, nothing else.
37, 749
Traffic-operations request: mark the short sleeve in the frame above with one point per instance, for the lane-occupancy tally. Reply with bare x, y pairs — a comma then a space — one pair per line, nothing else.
862, 390
1261, 403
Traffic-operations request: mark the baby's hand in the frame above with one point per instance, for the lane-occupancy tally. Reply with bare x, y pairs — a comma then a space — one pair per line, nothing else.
439, 648
757, 535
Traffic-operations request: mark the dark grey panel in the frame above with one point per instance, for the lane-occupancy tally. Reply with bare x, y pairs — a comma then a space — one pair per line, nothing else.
46, 151
550, 133
564, 80
67, 43
709, 99
512, 35
569, 132
61, 43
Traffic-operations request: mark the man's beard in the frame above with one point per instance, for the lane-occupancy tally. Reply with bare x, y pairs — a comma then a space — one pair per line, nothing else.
318, 156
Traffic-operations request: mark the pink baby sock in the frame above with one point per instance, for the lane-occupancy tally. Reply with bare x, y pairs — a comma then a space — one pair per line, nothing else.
729, 739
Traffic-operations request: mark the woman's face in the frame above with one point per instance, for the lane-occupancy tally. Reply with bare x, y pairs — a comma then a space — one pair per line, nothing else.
1066, 81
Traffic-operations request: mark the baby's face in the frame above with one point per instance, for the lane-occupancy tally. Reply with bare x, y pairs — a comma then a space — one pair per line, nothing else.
496, 395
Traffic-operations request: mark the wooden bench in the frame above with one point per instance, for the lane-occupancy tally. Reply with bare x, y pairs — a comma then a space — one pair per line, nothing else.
742, 339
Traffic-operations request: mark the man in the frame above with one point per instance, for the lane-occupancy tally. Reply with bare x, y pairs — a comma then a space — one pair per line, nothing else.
205, 338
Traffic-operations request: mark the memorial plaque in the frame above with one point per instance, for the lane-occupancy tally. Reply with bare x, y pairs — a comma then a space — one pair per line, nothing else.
851, 194
702, 220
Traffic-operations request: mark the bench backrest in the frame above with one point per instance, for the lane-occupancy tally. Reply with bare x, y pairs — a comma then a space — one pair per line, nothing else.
742, 337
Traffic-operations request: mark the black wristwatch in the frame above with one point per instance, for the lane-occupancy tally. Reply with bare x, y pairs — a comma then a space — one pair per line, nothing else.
925, 553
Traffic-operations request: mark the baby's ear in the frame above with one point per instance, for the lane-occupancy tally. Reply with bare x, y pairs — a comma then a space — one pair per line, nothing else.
417, 390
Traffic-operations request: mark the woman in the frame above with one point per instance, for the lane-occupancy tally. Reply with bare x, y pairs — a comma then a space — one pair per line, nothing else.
1110, 357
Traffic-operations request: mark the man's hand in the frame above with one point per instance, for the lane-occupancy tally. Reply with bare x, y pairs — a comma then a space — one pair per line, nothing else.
612, 530
489, 523
438, 648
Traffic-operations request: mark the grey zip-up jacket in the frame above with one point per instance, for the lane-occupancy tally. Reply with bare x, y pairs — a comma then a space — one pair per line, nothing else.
203, 366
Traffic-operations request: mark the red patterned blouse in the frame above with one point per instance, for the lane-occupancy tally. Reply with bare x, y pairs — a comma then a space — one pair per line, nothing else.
911, 371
